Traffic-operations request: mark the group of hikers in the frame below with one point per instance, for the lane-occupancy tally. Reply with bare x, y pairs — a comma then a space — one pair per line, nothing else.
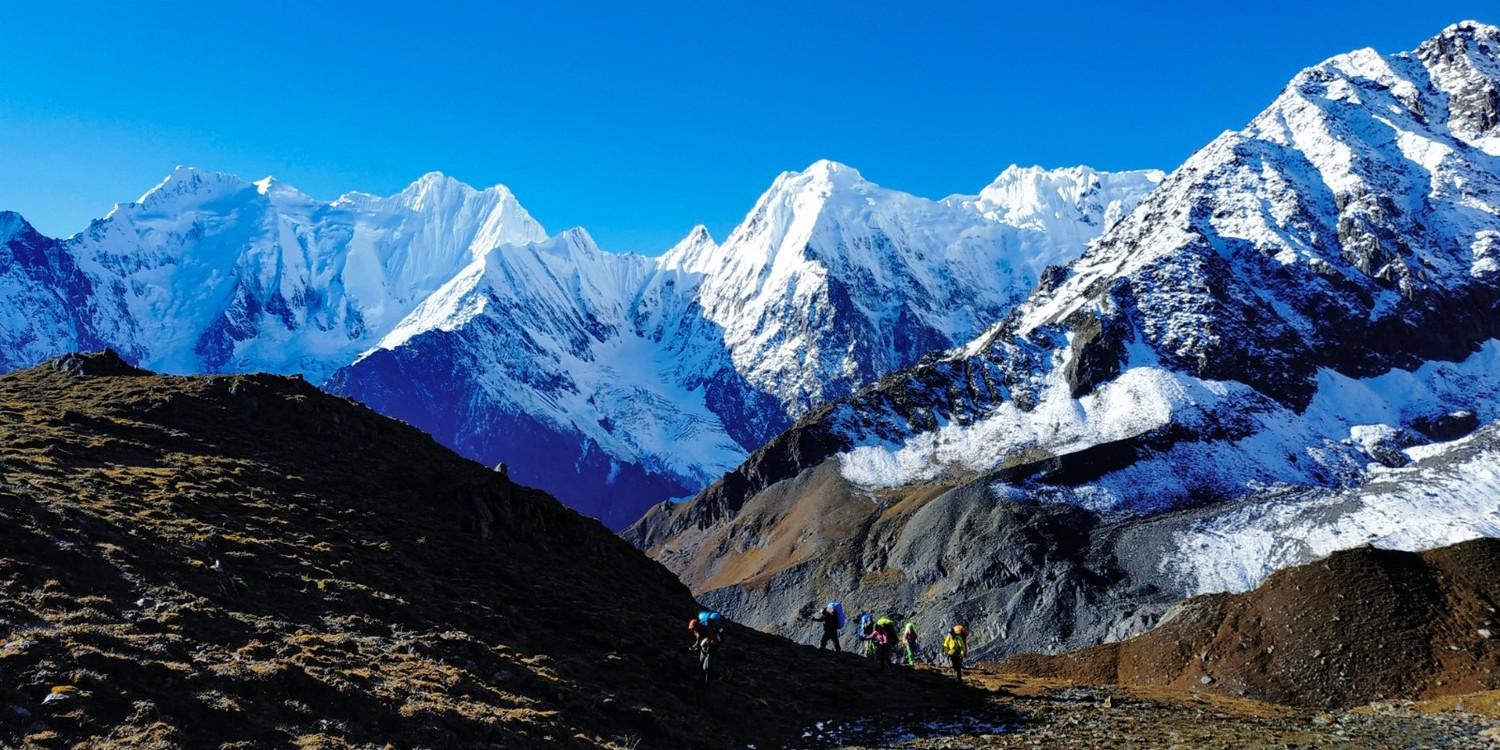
879, 636
881, 641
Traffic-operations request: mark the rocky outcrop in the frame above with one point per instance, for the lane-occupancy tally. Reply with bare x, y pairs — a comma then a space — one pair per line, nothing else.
1096, 351
97, 364
1450, 426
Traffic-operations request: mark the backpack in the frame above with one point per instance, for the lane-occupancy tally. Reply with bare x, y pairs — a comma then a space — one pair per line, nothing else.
712, 620
909, 635
866, 623
955, 645
838, 611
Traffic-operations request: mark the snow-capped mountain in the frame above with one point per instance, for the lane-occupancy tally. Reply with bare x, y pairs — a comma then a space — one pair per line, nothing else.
703, 354
1301, 305
210, 273
530, 357
832, 280
1348, 230
612, 380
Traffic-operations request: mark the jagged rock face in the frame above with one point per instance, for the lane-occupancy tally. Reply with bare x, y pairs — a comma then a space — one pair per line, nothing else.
1355, 213
1301, 300
615, 380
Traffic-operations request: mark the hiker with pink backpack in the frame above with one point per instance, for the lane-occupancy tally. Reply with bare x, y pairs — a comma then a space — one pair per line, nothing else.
883, 636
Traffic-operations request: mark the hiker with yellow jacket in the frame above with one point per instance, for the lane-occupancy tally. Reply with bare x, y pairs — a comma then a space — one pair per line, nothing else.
956, 646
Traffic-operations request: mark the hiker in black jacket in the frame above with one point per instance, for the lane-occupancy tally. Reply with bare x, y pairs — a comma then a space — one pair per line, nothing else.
830, 620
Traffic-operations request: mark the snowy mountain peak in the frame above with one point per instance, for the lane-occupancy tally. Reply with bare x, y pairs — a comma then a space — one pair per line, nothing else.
1069, 200
692, 253
572, 243
436, 187
1469, 30
281, 192
831, 171
697, 236
192, 185
12, 224
820, 181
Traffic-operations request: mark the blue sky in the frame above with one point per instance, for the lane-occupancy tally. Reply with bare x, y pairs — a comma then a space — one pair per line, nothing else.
639, 120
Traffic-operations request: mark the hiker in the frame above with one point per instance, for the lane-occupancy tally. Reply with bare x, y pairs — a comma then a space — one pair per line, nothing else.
832, 618
867, 633
703, 633
956, 646
909, 641
884, 637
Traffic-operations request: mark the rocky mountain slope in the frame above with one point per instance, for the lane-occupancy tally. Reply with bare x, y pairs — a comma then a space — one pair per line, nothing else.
635, 379
248, 561
1304, 306
1361, 625
1046, 577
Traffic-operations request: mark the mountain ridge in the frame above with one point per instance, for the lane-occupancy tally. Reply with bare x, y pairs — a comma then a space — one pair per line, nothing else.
611, 359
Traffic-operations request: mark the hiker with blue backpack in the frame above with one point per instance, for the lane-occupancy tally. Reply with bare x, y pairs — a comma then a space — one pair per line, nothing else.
832, 618
707, 630
867, 633
712, 622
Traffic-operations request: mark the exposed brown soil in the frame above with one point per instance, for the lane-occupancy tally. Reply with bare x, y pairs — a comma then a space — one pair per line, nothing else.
244, 561
1359, 626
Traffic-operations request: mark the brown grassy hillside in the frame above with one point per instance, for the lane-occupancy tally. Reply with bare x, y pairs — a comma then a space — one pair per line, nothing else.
1359, 626
245, 561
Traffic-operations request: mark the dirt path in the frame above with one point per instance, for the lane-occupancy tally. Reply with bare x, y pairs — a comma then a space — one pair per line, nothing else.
1030, 712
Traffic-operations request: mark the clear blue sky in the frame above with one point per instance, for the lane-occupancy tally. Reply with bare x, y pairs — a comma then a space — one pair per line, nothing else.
638, 120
